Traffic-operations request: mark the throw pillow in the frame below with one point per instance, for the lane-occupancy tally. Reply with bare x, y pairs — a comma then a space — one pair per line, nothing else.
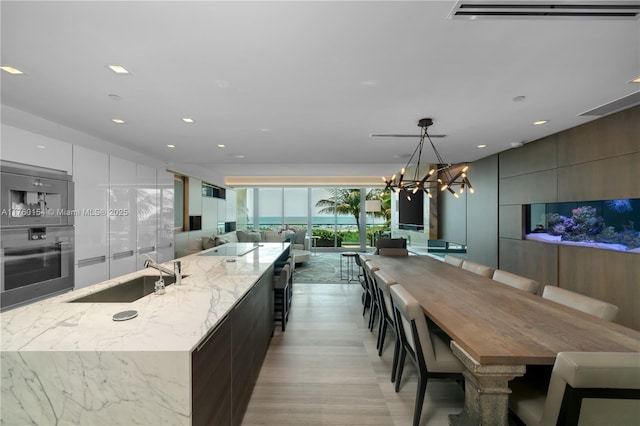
254, 237
195, 244
208, 243
220, 241
248, 237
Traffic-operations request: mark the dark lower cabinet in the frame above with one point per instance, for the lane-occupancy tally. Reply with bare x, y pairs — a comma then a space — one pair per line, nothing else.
211, 378
226, 365
262, 321
242, 356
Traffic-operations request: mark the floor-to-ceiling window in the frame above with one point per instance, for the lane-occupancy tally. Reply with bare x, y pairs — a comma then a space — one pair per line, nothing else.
338, 217
270, 209
296, 208
323, 218
245, 208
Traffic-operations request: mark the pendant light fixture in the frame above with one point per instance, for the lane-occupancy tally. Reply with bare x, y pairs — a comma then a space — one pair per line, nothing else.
442, 176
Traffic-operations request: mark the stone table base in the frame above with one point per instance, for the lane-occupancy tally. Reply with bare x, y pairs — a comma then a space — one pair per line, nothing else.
486, 391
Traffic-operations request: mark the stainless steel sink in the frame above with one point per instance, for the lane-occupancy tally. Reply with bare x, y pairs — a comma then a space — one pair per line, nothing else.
127, 291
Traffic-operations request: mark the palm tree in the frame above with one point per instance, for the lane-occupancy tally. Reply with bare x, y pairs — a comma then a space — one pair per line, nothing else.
346, 201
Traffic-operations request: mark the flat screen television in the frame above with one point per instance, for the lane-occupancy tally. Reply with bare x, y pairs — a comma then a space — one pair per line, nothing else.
411, 213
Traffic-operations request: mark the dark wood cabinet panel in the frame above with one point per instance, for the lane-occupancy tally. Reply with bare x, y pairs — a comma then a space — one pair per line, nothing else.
606, 179
531, 259
242, 352
539, 187
262, 321
211, 378
531, 158
511, 221
611, 136
606, 275
226, 365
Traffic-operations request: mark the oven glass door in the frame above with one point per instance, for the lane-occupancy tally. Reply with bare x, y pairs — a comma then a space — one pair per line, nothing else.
29, 265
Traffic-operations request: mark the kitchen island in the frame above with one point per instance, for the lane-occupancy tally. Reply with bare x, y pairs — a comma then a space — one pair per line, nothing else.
190, 356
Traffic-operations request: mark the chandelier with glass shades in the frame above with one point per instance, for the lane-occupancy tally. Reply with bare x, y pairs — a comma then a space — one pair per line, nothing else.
441, 176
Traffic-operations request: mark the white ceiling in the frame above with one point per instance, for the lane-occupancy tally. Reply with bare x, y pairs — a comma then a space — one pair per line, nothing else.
303, 84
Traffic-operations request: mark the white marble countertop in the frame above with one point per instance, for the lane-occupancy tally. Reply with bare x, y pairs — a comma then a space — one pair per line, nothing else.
174, 321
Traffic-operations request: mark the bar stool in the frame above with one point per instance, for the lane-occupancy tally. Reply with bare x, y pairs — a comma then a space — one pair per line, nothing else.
349, 256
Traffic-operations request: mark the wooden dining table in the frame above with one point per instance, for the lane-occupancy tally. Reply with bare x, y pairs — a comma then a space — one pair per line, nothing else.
498, 330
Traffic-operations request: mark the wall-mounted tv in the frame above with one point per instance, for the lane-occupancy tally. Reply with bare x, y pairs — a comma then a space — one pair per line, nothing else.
411, 212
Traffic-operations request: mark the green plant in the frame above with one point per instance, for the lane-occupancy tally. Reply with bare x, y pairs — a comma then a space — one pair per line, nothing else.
325, 234
346, 201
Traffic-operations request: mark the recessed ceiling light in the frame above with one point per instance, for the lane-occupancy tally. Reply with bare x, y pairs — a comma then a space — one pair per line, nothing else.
221, 145
264, 129
40, 146
635, 80
369, 83
170, 146
188, 120
118, 69
11, 70
482, 146
114, 97
539, 122
239, 156
118, 120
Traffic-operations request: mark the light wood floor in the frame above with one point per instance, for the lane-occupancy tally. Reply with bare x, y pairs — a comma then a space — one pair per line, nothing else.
325, 370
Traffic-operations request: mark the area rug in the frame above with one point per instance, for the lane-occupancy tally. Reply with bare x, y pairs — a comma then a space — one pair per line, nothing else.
323, 268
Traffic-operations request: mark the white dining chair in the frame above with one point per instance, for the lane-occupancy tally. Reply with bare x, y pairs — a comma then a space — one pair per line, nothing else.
477, 268
586, 388
589, 305
430, 352
516, 281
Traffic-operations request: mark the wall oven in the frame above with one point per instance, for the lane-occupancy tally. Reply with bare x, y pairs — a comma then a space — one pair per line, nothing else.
36, 262
36, 234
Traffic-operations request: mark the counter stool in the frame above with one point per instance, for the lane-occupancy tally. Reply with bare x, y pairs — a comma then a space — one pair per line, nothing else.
350, 260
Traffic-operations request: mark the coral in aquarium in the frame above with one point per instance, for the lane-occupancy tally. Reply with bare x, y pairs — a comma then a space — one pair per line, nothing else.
628, 237
581, 226
622, 205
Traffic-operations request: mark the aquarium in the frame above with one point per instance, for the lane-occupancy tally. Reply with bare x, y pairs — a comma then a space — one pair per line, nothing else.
607, 224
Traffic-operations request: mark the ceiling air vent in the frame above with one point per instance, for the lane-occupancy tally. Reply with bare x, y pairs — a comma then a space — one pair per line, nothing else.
541, 9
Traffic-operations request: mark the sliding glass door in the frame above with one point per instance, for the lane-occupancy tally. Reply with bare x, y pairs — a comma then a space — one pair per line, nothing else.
336, 218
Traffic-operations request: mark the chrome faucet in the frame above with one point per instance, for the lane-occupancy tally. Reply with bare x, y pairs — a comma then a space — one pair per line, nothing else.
177, 273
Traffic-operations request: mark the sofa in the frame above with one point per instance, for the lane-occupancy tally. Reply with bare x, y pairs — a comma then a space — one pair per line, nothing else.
300, 244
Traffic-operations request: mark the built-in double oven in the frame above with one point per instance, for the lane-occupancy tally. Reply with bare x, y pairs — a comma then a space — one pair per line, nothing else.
36, 233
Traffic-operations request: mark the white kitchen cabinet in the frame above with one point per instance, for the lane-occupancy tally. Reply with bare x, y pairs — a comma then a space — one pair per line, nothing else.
123, 234
166, 250
91, 271
147, 209
91, 204
222, 211
210, 213
231, 206
195, 197
25, 147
